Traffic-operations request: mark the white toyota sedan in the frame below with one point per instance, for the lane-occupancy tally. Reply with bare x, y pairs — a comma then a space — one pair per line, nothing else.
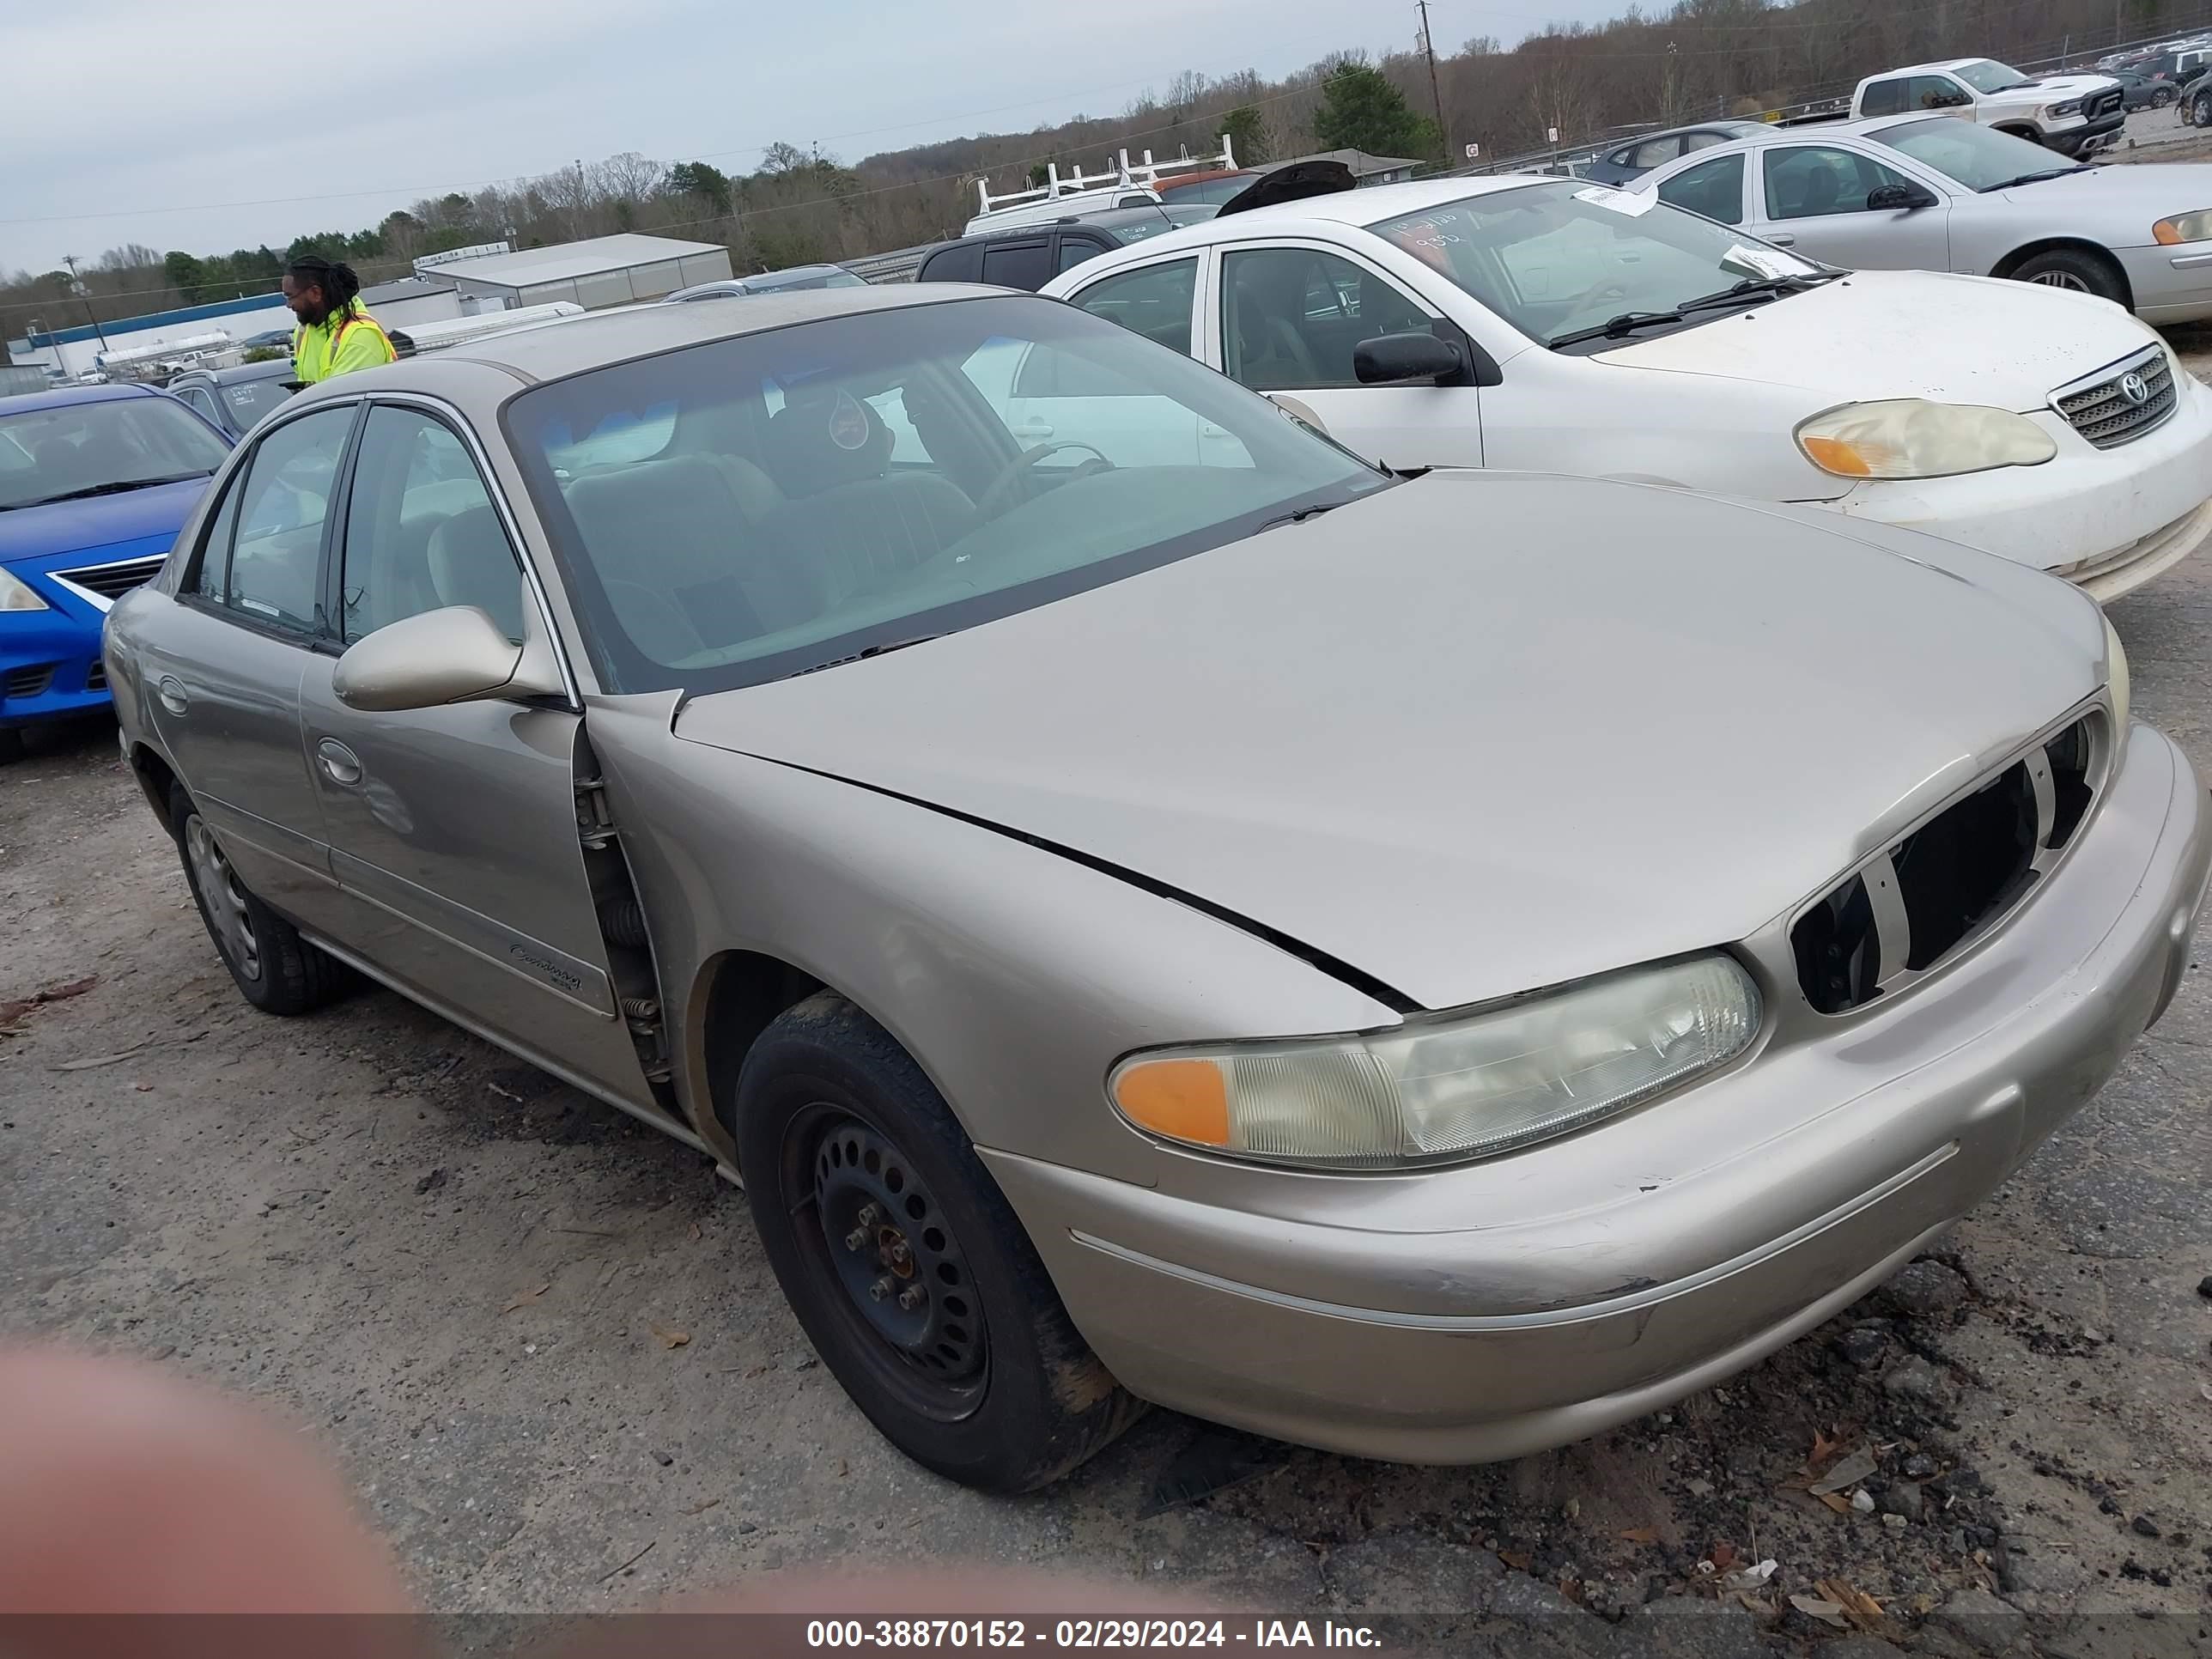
1551, 324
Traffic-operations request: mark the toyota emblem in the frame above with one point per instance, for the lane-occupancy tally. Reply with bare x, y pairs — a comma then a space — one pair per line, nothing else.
2132, 387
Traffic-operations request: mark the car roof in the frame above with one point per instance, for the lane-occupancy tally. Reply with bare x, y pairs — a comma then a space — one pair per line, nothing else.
554, 349
267, 370
1721, 123
63, 397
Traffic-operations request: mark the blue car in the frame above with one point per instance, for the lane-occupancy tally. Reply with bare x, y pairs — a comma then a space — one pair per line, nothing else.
95, 483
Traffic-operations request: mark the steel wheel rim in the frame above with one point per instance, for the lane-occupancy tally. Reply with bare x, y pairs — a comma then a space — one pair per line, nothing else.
224, 898
2065, 279
924, 1336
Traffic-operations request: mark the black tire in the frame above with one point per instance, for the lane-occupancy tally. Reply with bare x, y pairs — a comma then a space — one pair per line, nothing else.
274, 969
11, 746
2200, 109
2075, 269
983, 1378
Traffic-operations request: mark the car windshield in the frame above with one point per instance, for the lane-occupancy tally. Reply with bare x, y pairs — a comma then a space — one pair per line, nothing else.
248, 401
1979, 157
1553, 259
1135, 224
1986, 75
826, 491
103, 447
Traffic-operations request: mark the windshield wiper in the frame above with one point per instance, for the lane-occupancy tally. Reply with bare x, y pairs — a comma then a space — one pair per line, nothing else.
2037, 177
864, 654
115, 489
1298, 515
1759, 287
1615, 328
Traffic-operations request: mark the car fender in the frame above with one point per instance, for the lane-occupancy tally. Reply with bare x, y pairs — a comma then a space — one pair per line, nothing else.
1014, 974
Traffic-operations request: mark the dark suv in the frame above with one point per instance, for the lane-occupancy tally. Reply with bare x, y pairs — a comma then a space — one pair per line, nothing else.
1029, 256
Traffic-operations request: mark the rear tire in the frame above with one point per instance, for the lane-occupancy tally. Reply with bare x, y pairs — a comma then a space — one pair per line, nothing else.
2200, 108
274, 969
2075, 270
2162, 96
940, 1321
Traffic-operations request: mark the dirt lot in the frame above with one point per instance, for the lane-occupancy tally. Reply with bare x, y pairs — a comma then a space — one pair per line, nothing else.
467, 1279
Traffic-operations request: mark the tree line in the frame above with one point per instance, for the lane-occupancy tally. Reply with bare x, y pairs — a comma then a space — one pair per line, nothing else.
1700, 58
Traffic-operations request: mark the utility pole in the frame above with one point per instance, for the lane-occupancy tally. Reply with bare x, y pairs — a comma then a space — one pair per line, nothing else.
84, 293
1436, 97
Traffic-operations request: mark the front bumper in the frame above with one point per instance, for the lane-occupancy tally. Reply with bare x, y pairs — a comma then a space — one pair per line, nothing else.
2091, 136
1489, 1311
50, 665
2172, 284
2109, 519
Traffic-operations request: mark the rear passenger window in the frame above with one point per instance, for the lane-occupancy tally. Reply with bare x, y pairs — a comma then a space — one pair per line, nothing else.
1656, 153
1883, 97
1154, 300
1714, 188
276, 558
420, 532
1025, 265
1074, 250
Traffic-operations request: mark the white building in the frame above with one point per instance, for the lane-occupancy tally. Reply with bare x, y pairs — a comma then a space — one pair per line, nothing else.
605, 270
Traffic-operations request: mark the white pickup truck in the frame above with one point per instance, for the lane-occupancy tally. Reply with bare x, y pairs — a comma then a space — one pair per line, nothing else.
2073, 114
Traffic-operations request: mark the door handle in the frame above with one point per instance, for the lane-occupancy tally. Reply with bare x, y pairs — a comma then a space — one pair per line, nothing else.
1783, 239
1033, 429
340, 761
171, 691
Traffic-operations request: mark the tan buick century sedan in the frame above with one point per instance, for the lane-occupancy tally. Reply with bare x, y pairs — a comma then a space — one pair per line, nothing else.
1153, 907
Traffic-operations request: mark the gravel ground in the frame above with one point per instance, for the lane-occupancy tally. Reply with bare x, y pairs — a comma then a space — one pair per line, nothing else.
470, 1281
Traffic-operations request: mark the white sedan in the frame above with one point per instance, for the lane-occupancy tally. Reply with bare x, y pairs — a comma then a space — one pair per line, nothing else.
1548, 325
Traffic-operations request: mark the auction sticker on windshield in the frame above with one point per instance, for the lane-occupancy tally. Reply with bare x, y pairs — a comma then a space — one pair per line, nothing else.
1762, 262
1620, 200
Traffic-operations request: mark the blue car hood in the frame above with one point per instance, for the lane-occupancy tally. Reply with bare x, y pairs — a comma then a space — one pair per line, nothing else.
29, 533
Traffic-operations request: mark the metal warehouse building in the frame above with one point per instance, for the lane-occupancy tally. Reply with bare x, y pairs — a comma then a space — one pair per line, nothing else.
606, 271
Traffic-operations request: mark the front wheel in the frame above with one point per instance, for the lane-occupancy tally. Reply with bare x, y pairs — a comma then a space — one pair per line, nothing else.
2075, 270
904, 1263
2162, 96
2200, 109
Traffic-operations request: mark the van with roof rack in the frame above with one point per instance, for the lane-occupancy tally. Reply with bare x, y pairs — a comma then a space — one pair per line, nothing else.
1062, 195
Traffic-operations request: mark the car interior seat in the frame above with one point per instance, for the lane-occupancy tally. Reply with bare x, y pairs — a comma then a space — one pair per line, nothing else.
471, 563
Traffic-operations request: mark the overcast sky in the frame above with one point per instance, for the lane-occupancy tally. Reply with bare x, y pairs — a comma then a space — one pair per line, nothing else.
226, 124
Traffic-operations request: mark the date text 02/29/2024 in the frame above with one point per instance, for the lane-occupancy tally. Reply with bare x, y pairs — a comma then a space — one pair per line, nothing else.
942, 1635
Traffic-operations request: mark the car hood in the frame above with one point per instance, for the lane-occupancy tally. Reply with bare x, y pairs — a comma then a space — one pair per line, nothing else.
1478, 733
1906, 334
2058, 87
28, 533
2143, 194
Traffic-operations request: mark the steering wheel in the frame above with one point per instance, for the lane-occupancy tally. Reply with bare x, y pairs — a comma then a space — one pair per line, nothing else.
1606, 290
1017, 470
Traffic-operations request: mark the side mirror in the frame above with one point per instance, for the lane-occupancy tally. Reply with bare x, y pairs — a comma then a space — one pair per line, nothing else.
1298, 411
1399, 359
1884, 199
436, 657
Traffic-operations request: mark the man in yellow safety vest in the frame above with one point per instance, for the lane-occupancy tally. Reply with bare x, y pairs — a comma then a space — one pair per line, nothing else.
335, 335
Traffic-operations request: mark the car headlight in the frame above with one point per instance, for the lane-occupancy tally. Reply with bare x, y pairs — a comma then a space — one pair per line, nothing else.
1913, 438
2071, 106
2115, 676
2184, 228
16, 595
1450, 1086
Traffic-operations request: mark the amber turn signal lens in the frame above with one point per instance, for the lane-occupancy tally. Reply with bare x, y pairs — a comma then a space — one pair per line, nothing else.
1187, 1099
1834, 455
2167, 234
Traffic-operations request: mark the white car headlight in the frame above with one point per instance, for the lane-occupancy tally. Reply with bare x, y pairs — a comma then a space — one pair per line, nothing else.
1449, 1086
1913, 438
2115, 676
2183, 228
16, 595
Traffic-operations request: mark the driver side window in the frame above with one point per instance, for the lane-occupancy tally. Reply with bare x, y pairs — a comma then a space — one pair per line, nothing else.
1291, 317
1153, 301
420, 532
1814, 180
